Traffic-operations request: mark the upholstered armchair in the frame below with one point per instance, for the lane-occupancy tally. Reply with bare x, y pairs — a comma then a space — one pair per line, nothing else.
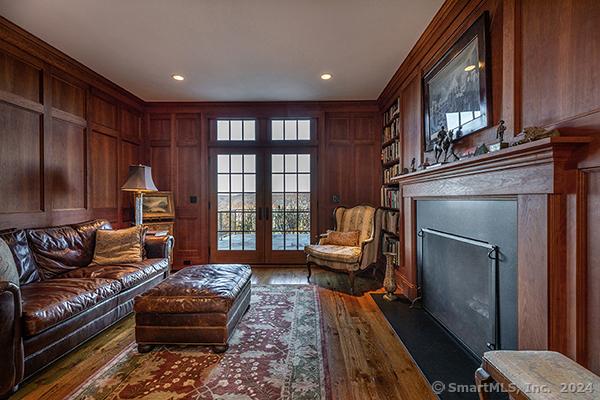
350, 259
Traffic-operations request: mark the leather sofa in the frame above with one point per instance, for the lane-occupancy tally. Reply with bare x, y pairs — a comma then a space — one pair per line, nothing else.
61, 300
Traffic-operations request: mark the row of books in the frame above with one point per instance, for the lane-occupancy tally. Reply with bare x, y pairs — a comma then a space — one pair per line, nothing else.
392, 112
390, 197
391, 131
391, 172
391, 152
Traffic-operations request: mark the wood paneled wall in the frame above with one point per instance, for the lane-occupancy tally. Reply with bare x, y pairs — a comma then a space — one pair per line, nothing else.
67, 137
177, 148
545, 59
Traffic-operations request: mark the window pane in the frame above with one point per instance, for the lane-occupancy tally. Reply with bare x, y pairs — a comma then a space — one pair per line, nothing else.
236, 130
223, 221
291, 201
249, 201
303, 221
278, 221
304, 182
290, 163
277, 184
304, 130
237, 221
249, 130
249, 163
236, 182
291, 223
291, 183
291, 241
249, 241
304, 201
223, 183
236, 241
249, 183
249, 222
237, 202
223, 200
236, 163
223, 240
290, 130
303, 162
277, 200
277, 241
222, 130
222, 163
277, 130
277, 162
303, 239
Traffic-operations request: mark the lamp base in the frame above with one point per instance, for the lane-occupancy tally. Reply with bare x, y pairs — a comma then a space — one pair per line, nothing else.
139, 205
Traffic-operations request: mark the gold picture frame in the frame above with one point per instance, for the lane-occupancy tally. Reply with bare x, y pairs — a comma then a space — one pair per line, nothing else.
158, 205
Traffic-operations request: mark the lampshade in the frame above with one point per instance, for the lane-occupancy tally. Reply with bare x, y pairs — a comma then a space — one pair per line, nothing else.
139, 180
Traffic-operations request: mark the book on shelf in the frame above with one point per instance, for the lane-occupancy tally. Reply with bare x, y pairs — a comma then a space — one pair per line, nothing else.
391, 131
391, 152
392, 112
390, 197
389, 173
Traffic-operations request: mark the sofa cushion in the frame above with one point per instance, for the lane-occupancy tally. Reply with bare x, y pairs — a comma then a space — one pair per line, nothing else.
26, 267
128, 275
119, 246
57, 250
47, 303
87, 232
345, 254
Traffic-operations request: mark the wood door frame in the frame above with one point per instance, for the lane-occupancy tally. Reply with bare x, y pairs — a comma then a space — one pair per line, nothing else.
289, 256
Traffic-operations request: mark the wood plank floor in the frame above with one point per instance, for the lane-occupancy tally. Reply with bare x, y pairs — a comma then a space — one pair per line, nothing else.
366, 358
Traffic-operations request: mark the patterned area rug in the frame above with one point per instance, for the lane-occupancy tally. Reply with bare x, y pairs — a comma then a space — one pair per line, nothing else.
275, 353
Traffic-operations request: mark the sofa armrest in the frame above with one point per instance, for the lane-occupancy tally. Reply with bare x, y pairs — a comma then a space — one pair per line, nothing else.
159, 246
11, 343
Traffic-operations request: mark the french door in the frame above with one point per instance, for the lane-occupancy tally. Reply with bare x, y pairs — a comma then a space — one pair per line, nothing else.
262, 204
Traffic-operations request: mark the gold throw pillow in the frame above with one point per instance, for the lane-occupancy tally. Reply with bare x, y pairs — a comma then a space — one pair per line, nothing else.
119, 246
342, 238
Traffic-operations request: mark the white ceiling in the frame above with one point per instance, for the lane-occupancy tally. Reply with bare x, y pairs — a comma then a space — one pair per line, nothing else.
233, 50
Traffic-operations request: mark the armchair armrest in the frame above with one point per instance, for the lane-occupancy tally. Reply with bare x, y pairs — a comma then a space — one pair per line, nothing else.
11, 343
159, 246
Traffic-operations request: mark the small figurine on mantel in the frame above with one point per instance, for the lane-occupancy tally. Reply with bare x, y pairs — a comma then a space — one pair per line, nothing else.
424, 165
437, 145
534, 133
501, 144
448, 147
413, 165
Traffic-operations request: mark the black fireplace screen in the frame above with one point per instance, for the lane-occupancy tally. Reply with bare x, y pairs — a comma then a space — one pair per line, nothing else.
459, 287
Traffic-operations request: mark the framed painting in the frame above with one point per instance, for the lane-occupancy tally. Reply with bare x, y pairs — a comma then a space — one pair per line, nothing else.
158, 205
456, 91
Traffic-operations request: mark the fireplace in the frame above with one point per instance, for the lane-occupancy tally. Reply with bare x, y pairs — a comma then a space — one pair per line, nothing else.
467, 273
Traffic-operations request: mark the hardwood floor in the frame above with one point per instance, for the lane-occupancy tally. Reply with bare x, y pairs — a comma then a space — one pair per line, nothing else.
366, 359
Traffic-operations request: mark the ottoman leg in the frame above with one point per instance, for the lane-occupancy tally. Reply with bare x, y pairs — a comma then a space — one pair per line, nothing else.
220, 348
144, 348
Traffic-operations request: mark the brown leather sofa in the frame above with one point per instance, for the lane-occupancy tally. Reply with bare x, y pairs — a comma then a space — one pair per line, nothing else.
61, 300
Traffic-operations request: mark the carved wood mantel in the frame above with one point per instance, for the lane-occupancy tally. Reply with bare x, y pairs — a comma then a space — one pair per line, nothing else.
540, 175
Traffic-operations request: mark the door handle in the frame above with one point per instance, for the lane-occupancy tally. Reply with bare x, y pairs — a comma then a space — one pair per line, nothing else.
266, 213
259, 212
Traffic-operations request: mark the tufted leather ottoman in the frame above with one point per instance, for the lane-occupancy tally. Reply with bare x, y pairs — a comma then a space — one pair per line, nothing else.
201, 305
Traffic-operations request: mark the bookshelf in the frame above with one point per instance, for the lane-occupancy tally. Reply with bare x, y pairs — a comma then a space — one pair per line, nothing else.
391, 164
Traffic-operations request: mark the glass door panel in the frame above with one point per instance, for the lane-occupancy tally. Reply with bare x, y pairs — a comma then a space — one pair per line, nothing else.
235, 214
291, 196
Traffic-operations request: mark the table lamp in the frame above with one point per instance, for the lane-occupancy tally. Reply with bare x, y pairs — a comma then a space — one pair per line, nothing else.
140, 182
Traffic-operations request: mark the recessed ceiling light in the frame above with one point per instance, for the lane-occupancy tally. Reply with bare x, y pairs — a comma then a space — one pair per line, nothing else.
326, 77
469, 68
177, 77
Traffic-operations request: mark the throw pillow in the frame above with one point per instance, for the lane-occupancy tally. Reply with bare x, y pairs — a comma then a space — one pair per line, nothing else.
349, 238
8, 268
119, 246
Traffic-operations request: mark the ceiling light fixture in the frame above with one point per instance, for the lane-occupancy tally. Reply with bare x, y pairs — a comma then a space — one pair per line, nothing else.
177, 77
469, 68
326, 77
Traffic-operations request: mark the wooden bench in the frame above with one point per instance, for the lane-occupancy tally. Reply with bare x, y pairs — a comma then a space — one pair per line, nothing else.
536, 375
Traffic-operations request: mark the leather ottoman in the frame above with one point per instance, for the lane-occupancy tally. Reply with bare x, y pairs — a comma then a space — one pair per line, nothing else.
198, 305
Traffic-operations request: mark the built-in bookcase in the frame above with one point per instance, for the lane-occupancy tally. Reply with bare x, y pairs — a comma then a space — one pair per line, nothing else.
391, 164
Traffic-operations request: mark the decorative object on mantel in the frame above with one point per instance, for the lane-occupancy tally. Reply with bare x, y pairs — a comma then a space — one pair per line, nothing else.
389, 282
413, 164
468, 152
501, 144
534, 133
455, 89
424, 165
448, 147
483, 149
404, 171
139, 181
437, 143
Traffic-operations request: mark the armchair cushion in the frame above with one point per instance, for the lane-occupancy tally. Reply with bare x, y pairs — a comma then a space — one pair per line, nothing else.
344, 254
341, 238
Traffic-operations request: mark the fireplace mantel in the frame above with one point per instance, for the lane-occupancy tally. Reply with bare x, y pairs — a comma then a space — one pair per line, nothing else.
542, 166
542, 177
